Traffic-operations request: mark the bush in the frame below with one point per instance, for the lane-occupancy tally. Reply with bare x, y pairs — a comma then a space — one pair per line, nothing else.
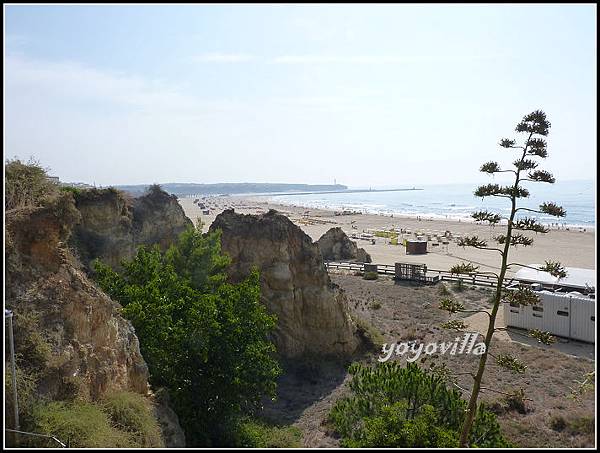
442, 290
395, 406
27, 185
133, 413
368, 333
459, 286
254, 434
70, 189
121, 419
371, 276
375, 305
558, 423
77, 424
203, 339
581, 426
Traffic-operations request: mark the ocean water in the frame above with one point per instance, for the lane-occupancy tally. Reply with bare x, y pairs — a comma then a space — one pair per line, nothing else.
456, 201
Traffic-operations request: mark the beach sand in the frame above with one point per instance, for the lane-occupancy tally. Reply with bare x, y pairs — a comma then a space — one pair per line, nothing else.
573, 248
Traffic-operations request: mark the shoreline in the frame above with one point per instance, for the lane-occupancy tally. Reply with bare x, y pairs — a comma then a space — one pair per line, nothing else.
400, 215
573, 248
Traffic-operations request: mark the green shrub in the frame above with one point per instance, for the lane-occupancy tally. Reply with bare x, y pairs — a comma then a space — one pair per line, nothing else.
77, 424
371, 276
395, 406
442, 290
581, 426
254, 434
459, 286
375, 305
368, 333
204, 339
70, 189
132, 412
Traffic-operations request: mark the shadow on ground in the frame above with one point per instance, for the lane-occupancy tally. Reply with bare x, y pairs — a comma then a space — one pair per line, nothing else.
303, 383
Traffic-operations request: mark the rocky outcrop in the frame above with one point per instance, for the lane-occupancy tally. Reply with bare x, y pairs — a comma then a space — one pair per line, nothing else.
70, 334
311, 311
335, 245
113, 225
172, 433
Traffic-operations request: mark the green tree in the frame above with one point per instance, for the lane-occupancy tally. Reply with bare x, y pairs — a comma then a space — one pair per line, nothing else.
395, 406
535, 126
203, 339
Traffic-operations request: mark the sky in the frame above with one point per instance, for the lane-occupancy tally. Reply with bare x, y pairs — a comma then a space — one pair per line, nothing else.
366, 95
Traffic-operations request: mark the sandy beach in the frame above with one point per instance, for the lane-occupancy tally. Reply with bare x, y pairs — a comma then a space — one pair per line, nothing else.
573, 248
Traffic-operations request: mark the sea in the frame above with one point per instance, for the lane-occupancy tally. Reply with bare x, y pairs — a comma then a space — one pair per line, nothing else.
457, 202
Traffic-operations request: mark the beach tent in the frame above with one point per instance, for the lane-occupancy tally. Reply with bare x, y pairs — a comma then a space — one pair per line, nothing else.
568, 315
577, 278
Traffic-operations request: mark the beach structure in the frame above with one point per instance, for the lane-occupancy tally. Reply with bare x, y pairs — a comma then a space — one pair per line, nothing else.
568, 315
413, 272
577, 279
415, 247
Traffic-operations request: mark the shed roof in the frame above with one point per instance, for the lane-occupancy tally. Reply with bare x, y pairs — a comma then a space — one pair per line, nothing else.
576, 277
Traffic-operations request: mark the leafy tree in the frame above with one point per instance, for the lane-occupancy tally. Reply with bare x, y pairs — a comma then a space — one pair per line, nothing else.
395, 406
203, 338
535, 126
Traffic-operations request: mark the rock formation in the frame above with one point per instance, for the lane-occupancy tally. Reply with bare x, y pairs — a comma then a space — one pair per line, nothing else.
336, 246
113, 225
70, 332
70, 337
311, 311
172, 433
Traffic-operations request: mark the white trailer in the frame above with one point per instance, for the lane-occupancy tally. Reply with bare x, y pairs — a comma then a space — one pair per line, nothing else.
568, 315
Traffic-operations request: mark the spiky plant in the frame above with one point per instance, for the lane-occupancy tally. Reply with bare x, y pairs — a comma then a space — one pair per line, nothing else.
535, 126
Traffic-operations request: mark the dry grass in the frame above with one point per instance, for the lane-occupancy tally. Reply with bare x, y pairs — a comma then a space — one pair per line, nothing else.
406, 312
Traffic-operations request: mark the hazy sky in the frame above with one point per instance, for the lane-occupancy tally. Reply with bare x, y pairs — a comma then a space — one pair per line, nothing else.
366, 94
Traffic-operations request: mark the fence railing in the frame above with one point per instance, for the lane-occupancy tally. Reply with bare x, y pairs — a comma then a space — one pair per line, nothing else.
389, 269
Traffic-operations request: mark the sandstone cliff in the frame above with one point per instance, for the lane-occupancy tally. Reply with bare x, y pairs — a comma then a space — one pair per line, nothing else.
70, 333
335, 245
311, 311
113, 225
70, 338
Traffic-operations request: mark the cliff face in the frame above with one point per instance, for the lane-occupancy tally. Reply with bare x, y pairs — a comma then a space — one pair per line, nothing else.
113, 225
70, 334
311, 311
335, 246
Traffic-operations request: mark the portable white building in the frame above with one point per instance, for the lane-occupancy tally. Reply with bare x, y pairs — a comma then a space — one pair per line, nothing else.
576, 279
569, 315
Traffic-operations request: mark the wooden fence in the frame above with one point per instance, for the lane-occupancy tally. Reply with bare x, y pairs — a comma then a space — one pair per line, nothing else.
390, 269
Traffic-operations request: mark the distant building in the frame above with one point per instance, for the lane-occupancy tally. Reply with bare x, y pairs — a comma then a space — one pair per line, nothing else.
55, 179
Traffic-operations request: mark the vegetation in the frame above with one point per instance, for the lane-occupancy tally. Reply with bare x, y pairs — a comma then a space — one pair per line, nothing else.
375, 305
203, 339
27, 185
256, 434
132, 413
371, 276
124, 420
372, 336
395, 406
535, 126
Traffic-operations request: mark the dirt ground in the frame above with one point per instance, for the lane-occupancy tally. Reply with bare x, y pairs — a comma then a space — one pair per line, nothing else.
402, 312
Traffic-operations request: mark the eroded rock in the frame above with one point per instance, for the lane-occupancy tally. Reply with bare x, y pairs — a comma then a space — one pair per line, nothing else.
335, 245
311, 311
